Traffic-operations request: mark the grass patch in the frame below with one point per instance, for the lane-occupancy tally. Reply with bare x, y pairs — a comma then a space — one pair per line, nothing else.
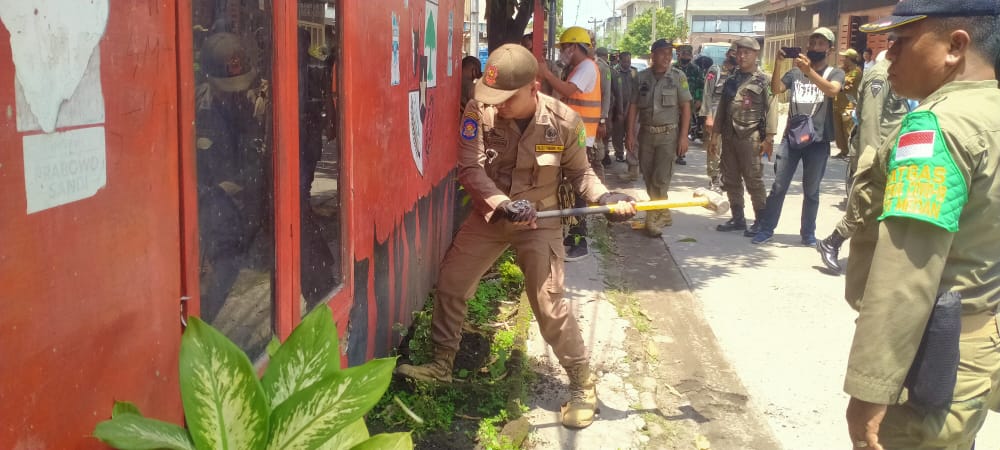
489, 388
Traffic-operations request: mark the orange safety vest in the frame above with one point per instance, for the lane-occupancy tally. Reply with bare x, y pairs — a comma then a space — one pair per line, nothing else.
587, 104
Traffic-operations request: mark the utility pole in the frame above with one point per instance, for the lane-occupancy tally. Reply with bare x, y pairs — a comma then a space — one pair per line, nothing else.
652, 34
474, 28
593, 26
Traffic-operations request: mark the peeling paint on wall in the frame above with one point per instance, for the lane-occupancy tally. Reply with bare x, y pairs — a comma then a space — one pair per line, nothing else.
52, 43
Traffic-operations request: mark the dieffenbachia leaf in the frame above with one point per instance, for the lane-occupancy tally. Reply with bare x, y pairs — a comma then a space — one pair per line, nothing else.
347, 437
311, 417
310, 354
125, 408
387, 441
134, 432
224, 403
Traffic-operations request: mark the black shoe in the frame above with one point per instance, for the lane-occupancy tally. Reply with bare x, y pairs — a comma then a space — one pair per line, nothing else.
620, 158
732, 225
829, 253
680, 160
753, 230
577, 252
606, 161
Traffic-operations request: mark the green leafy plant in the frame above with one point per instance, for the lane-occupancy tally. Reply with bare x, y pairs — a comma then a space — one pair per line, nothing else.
304, 400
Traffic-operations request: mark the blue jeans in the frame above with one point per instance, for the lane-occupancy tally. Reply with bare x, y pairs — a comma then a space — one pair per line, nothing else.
786, 162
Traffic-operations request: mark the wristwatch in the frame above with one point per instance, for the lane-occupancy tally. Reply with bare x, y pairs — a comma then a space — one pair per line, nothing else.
603, 120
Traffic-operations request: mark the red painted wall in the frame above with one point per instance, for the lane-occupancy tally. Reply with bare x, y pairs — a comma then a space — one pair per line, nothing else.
89, 290
385, 182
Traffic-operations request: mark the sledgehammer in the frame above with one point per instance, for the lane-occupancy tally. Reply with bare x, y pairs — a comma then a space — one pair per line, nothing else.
702, 197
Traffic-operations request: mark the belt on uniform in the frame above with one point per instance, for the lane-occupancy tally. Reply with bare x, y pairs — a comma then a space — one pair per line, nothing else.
658, 129
980, 325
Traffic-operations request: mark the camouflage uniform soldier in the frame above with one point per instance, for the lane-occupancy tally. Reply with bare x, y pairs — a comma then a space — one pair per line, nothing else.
746, 133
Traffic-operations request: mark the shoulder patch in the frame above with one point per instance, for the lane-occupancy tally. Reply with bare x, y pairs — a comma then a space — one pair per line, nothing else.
923, 181
581, 132
876, 86
470, 129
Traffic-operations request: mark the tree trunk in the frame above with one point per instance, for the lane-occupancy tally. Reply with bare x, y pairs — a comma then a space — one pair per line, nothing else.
502, 25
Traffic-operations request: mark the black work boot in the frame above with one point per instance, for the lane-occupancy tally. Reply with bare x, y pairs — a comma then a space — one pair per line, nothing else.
755, 228
829, 250
737, 223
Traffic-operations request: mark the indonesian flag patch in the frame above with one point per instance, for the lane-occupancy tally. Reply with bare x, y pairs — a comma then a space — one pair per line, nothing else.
916, 144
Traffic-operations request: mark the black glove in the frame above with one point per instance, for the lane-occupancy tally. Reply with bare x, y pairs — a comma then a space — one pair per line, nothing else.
612, 198
518, 210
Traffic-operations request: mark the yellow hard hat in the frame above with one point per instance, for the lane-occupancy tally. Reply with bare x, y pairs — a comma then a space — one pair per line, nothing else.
575, 35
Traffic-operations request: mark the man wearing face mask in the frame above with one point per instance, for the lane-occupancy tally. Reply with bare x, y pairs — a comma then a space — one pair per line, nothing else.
714, 81
695, 79
813, 84
661, 106
516, 146
581, 91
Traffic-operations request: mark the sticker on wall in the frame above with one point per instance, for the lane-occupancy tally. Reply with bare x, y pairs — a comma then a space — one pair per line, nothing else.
63, 167
451, 41
57, 84
395, 50
430, 42
54, 48
416, 131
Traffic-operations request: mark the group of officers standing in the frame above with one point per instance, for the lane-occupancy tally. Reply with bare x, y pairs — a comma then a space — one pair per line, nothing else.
924, 271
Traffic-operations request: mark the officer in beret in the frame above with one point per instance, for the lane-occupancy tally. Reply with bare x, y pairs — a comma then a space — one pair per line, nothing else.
661, 101
924, 267
508, 123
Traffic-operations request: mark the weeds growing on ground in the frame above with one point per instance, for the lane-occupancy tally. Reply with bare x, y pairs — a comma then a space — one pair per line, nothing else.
483, 394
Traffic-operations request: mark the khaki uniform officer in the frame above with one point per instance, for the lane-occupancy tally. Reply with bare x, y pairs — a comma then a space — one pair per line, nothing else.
715, 79
516, 146
879, 113
924, 269
662, 102
746, 133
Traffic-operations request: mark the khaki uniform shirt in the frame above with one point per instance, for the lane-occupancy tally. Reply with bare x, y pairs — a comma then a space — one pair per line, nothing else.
745, 110
658, 99
497, 161
899, 265
879, 111
714, 80
848, 96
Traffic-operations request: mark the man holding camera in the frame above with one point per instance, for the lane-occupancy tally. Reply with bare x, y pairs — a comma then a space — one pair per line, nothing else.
812, 84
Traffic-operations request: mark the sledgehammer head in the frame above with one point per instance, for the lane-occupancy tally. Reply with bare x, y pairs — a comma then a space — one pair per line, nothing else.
715, 202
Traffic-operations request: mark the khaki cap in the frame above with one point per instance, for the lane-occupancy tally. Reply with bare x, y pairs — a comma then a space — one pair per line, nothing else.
825, 32
747, 42
850, 53
509, 68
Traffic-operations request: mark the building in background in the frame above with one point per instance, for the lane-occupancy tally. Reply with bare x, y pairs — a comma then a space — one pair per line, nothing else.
474, 28
789, 23
717, 20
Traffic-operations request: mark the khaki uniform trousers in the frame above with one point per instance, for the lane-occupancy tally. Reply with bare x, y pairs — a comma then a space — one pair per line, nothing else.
976, 392
540, 255
657, 152
856, 205
713, 166
741, 164
842, 126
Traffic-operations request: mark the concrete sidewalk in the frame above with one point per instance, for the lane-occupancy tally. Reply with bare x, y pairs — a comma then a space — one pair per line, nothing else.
779, 316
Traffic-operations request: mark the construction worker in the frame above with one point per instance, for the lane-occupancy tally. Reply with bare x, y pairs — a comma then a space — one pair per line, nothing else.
581, 91
747, 134
516, 146
924, 269
661, 102
715, 79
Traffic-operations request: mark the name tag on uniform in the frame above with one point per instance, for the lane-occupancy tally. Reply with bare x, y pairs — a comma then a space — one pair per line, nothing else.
548, 148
